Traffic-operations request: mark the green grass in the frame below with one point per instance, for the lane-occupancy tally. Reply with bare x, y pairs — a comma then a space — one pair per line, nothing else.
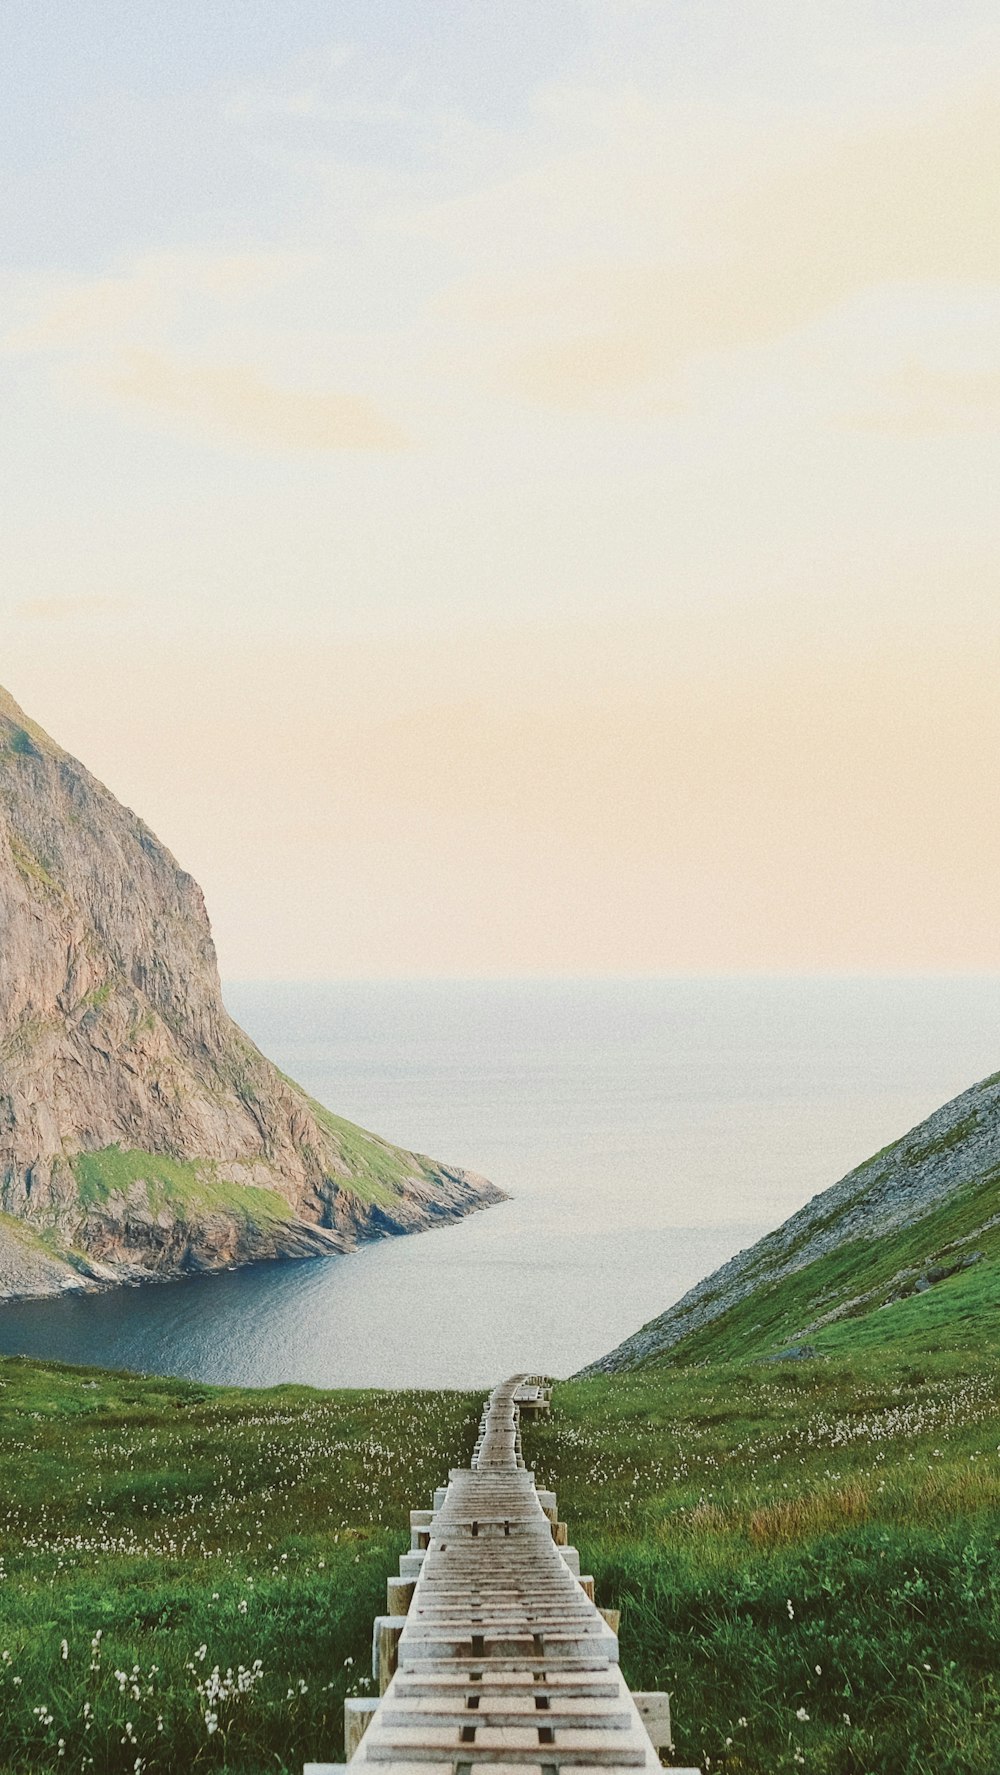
378, 1169
187, 1188
808, 1553
820, 1537
964, 1304
155, 1531
32, 869
752, 1521
98, 998
12, 1226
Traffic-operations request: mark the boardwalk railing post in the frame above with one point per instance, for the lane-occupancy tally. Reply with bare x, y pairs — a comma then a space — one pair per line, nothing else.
654, 1712
399, 1595
358, 1712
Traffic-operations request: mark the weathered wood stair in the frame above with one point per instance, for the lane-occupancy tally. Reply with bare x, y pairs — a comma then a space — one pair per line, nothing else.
493, 1653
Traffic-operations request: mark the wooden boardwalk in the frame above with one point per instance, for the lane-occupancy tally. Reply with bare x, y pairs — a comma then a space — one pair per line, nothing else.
493, 1653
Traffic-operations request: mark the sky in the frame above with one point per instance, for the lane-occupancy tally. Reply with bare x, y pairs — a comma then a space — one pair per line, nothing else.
512, 490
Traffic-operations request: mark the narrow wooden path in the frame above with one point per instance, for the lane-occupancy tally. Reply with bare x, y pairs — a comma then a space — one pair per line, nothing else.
493, 1653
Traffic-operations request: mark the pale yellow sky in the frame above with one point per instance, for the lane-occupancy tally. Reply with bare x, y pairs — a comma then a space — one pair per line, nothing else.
540, 520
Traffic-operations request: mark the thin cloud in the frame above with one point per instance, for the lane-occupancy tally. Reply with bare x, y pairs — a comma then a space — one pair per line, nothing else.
301, 89
71, 314
67, 609
921, 399
235, 403
910, 199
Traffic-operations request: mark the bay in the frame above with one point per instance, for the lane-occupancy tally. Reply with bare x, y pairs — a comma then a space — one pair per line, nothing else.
646, 1130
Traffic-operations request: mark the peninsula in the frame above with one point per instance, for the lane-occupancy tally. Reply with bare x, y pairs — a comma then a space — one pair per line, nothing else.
142, 1134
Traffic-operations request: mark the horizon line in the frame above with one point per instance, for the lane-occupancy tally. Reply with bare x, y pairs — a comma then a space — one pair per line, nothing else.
832, 976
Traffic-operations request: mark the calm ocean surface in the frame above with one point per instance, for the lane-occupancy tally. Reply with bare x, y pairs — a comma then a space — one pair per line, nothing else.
645, 1130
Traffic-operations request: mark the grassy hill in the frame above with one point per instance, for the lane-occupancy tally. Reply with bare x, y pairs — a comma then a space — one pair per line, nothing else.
934, 1281
805, 1537
806, 1553
912, 1217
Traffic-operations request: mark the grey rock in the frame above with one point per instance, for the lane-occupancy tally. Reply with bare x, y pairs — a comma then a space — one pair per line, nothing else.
113, 1034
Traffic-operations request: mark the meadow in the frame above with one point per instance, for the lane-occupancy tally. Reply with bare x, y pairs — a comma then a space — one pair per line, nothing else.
188, 1575
807, 1555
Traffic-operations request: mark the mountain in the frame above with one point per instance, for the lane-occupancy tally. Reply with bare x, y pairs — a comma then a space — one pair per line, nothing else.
908, 1242
142, 1134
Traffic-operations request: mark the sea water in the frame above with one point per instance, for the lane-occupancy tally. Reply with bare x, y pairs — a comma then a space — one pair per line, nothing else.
645, 1131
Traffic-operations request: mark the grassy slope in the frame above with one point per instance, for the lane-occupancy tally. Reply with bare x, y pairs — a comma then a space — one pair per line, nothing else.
784, 1310
379, 1170
163, 1529
820, 1537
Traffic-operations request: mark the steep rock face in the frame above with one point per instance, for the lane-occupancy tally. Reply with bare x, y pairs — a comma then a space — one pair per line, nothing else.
141, 1131
956, 1150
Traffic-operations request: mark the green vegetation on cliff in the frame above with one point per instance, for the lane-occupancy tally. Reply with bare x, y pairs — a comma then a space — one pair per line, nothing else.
377, 1170
184, 1187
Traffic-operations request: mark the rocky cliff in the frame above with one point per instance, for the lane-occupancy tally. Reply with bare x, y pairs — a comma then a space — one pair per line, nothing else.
142, 1134
849, 1251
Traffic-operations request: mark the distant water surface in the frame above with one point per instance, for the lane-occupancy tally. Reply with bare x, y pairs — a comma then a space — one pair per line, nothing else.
645, 1130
